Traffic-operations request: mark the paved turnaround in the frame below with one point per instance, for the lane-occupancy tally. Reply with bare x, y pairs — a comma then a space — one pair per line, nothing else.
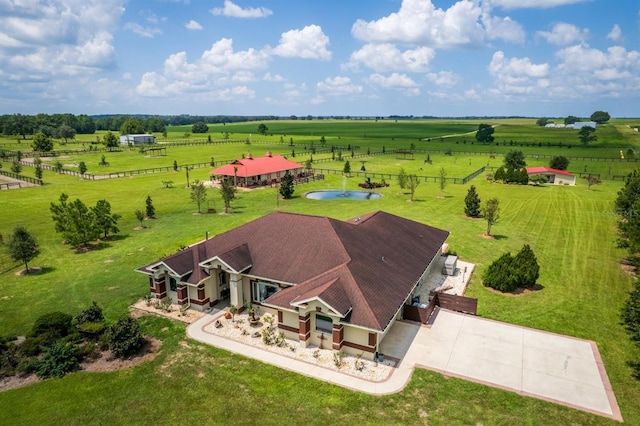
534, 363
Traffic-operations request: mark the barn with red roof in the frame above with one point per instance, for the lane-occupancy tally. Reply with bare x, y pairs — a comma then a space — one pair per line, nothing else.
345, 282
555, 176
252, 171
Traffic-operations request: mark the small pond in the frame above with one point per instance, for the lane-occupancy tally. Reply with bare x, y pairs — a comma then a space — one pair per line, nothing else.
336, 194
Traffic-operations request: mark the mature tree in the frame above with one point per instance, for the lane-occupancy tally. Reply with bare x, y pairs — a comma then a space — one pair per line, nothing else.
587, 134
528, 269
16, 167
491, 213
600, 117
23, 246
151, 211
559, 162
412, 183
543, 121
442, 181
199, 127
627, 206
485, 133
228, 193
198, 193
346, 170
402, 179
571, 119
82, 167
75, 221
262, 128
140, 216
472, 203
85, 125
65, 132
155, 124
286, 187
42, 143
110, 141
131, 126
514, 159
104, 219
592, 180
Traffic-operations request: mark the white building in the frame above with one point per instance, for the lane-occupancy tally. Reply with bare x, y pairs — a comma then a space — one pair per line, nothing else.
139, 139
581, 124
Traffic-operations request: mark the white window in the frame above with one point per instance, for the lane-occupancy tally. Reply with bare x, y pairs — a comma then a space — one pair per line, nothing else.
324, 324
263, 290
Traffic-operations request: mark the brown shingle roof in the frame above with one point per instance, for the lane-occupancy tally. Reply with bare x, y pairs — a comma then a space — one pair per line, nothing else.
366, 266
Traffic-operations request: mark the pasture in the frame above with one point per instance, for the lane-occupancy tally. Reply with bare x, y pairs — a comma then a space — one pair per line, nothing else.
570, 229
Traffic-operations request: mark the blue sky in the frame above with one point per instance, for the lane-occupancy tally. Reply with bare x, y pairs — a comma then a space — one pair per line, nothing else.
329, 57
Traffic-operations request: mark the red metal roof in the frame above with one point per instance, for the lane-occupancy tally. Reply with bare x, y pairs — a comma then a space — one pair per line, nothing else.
254, 166
533, 170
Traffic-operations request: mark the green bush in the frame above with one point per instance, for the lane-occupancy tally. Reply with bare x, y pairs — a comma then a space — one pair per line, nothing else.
91, 314
58, 360
92, 329
125, 338
57, 323
9, 357
508, 273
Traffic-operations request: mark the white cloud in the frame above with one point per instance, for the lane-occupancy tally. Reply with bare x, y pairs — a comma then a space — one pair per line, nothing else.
615, 34
530, 4
233, 10
444, 78
563, 34
193, 25
503, 28
215, 70
396, 81
471, 94
338, 86
387, 57
516, 75
307, 43
43, 40
419, 22
275, 78
148, 32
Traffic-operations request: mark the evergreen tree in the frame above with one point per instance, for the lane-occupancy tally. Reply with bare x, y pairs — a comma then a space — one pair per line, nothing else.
23, 246
228, 193
528, 269
500, 275
402, 179
286, 187
104, 219
151, 211
472, 203
500, 174
347, 168
630, 314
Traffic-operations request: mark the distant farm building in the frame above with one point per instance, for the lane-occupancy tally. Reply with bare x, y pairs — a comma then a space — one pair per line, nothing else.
581, 124
555, 176
139, 139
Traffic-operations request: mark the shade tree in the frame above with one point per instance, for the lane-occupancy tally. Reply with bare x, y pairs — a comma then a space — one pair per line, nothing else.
23, 246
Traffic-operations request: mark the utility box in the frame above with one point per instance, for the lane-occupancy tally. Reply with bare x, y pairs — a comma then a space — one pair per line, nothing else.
450, 265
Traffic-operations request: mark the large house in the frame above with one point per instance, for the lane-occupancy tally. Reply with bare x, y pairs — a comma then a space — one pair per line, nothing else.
554, 176
252, 171
331, 282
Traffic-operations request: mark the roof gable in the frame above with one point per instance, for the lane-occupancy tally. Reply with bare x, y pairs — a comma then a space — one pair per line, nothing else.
255, 166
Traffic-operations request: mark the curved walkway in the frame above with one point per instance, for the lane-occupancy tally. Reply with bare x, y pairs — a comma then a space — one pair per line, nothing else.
534, 363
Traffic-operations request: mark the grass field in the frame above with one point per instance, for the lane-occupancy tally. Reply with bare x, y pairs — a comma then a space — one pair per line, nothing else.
571, 230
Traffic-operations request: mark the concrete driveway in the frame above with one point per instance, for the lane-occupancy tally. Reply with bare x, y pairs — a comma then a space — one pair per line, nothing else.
534, 363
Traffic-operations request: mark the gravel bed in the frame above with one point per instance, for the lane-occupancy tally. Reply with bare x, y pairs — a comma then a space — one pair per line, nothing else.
361, 368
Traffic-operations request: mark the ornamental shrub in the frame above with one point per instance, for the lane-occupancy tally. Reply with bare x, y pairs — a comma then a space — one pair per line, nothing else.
125, 338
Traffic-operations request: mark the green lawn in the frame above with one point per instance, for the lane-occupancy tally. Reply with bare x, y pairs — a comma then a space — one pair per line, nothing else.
571, 230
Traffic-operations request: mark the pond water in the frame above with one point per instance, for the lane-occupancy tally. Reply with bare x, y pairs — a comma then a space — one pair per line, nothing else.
336, 194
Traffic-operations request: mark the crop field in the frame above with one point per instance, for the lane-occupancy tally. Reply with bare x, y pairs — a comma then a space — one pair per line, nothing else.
572, 231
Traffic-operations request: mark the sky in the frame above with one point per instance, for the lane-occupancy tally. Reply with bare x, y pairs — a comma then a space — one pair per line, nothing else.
446, 58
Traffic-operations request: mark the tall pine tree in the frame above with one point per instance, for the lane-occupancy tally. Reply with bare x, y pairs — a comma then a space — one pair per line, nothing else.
472, 203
